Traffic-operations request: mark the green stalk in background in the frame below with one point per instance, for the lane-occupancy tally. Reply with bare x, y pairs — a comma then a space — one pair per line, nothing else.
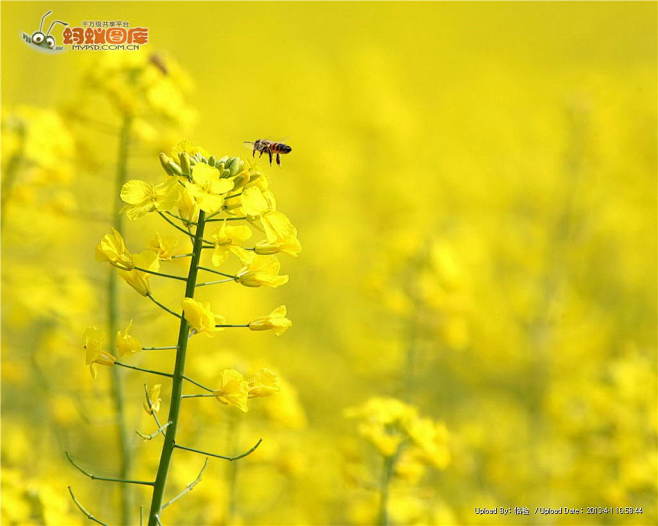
387, 472
177, 380
125, 453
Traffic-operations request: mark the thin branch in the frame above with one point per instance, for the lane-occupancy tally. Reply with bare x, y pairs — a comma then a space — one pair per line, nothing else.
109, 479
155, 416
186, 221
177, 227
218, 272
244, 218
159, 373
206, 283
163, 307
83, 510
159, 430
170, 276
231, 326
157, 519
198, 395
249, 452
198, 384
210, 244
189, 487
181, 256
164, 348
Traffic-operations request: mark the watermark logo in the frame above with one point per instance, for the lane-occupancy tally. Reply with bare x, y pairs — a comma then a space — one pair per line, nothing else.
97, 35
44, 42
91, 35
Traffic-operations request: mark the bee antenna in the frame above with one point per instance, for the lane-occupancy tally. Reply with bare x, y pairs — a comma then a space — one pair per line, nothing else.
42, 19
56, 22
248, 142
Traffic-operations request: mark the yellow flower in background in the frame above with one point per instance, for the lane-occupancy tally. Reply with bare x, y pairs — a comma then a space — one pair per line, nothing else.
127, 343
142, 197
281, 235
95, 353
262, 271
137, 279
207, 188
165, 246
201, 317
275, 321
154, 398
112, 248
387, 441
263, 383
432, 438
383, 410
226, 237
233, 389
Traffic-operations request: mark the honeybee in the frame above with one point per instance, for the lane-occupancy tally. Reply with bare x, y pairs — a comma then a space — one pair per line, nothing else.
270, 148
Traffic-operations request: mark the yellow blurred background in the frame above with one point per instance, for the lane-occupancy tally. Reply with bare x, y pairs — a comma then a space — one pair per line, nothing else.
474, 186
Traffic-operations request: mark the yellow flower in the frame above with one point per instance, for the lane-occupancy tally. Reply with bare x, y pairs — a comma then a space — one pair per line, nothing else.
136, 278
200, 316
263, 270
233, 390
126, 343
263, 383
275, 321
188, 148
387, 442
154, 398
432, 438
112, 248
164, 246
281, 235
187, 206
226, 237
94, 343
143, 197
207, 188
256, 201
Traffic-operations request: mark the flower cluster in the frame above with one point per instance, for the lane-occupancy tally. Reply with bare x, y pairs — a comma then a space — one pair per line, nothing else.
393, 426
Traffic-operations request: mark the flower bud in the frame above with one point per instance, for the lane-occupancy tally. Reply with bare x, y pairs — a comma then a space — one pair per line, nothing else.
185, 163
169, 165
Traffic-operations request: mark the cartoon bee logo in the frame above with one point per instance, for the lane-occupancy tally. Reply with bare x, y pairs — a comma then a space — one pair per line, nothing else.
44, 42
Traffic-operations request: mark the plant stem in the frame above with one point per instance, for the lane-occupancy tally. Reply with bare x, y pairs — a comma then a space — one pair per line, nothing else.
125, 453
387, 471
177, 381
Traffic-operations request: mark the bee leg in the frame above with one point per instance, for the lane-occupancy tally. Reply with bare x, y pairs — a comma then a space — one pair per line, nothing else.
270, 154
278, 159
261, 154
253, 152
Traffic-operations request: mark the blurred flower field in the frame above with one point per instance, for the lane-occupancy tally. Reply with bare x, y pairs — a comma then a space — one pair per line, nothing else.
442, 300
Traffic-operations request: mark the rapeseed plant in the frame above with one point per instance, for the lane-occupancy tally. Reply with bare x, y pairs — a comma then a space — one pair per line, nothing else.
147, 95
199, 191
406, 442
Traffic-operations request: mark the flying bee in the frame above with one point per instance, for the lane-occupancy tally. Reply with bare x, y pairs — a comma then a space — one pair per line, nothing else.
270, 148
40, 39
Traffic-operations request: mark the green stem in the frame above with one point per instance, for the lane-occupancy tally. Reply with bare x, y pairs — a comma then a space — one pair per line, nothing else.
125, 453
387, 471
232, 439
177, 381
